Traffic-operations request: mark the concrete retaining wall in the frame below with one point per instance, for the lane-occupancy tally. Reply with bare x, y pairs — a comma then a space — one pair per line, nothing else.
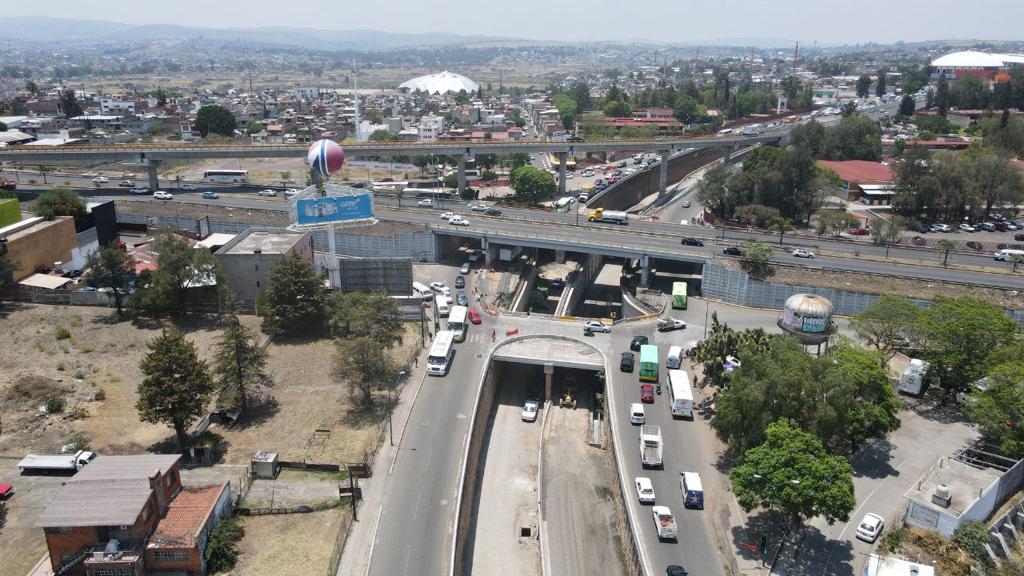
631, 190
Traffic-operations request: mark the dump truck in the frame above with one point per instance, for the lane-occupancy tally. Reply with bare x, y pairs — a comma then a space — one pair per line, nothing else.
56, 462
650, 446
609, 216
665, 522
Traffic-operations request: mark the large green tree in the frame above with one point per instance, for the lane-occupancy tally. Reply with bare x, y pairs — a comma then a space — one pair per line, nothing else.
176, 385
180, 268
907, 106
215, 119
721, 343
373, 314
857, 138
295, 299
112, 267
532, 184
863, 86
791, 472
68, 104
999, 409
364, 365
62, 202
888, 324
239, 363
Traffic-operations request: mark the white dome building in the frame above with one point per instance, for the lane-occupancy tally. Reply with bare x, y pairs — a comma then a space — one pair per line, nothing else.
980, 65
440, 83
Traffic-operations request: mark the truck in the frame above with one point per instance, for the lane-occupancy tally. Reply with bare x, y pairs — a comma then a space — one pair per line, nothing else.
6, 184
669, 324
912, 380
56, 462
664, 522
507, 254
752, 130
650, 446
609, 216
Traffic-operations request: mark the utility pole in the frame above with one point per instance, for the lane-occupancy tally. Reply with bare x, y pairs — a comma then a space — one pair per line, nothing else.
796, 54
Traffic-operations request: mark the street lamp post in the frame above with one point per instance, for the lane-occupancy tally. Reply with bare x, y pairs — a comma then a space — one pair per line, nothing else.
391, 431
773, 489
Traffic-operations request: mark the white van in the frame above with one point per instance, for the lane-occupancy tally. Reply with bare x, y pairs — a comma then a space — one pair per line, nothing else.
636, 414
1006, 254
693, 491
422, 291
680, 394
674, 358
442, 306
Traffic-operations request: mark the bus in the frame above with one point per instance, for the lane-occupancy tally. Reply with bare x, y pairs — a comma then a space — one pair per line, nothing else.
564, 204
457, 322
440, 358
648, 363
680, 393
679, 295
232, 176
427, 193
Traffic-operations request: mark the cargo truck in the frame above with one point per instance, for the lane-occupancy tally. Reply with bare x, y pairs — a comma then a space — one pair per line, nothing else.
650, 446
56, 462
609, 216
665, 522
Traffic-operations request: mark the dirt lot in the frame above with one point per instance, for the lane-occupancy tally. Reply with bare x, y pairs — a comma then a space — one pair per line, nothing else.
271, 545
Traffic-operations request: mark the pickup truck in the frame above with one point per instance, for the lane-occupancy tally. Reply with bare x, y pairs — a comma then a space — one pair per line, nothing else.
665, 522
668, 324
56, 462
650, 446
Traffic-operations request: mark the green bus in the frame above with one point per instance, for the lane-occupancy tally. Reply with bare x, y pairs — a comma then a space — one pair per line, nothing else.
648, 363
679, 295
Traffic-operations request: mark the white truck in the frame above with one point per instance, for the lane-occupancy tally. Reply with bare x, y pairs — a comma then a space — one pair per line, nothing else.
913, 378
669, 324
506, 254
56, 462
650, 445
665, 522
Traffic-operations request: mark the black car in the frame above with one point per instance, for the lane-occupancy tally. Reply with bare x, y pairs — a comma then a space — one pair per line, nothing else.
461, 299
675, 570
626, 364
557, 283
733, 251
1018, 237
923, 228
691, 241
492, 212
637, 342
460, 282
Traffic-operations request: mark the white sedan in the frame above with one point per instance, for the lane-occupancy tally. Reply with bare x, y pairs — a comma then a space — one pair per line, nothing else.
478, 207
268, 192
447, 215
438, 286
425, 203
801, 253
644, 490
967, 228
161, 195
189, 187
597, 326
458, 221
100, 180
870, 527
530, 411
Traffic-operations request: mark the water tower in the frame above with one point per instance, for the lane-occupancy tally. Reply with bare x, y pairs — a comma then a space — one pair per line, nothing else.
809, 318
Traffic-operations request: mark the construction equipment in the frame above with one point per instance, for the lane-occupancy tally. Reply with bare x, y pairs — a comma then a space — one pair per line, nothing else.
568, 394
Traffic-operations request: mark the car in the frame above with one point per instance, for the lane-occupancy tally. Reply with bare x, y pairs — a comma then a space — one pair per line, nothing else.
190, 187
425, 203
1011, 226
447, 293
458, 221
801, 253
6, 491
460, 282
493, 212
584, 197
626, 363
942, 228
161, 195
475, 255
139, 190
596, 326
568, 175
1018, 237
647, 393
691, 241
464, 269
858, 232
732, 251
447, 215
870, 527
965, 227
474, 316
100, 180
478, 207
268, 192
461, 299
88, 175
126, 183
556, 283
923, 228
637, 414
675, 570
637, 342
987, 226
210, 195
290, 193
685, 204
644, 490
530, 411
438, 286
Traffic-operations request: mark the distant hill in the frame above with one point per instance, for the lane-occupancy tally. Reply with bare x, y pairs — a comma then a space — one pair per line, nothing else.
56, 29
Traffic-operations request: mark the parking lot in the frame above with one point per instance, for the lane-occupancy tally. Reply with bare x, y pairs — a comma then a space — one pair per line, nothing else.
21, 543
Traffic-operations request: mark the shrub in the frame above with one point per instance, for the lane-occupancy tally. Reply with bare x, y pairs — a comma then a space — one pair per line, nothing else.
77, 413
971, 538
100, 395
54, 405
221, 551
77, 441
62, 333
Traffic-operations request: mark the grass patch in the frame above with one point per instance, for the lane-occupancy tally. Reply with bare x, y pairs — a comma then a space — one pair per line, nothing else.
62, 333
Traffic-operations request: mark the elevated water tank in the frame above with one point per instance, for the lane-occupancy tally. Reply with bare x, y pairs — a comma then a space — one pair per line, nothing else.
809, 317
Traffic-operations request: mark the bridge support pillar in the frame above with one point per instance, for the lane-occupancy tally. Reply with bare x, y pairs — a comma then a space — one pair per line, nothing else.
561, 174
560, 256
462, 174
549, 370
485, 246
728, 155
663, 174
645, 271
154, 179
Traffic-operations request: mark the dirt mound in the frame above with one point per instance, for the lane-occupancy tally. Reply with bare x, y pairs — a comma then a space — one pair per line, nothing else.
34, 389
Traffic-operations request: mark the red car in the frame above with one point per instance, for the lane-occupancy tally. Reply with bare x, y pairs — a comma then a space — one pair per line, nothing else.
6, 491
647, 393
858, 232
474, 316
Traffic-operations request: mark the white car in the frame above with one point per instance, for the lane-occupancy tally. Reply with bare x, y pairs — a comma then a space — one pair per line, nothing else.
530, 411
438, 286
268, 192
189, 187
870, 527
637, 414
100, 180
686, 203
967, 228
139, 190
88, 174
447, 293
161, 195
478, 207
458, 221
597, 326
447, 215
425, 203
465, 268
801, 253
644, 490
290, 193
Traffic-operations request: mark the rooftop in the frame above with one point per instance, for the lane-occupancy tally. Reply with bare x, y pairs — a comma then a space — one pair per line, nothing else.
973, 59
29, 226
859, 170
278, 241
965, 484
556, 350
186, 515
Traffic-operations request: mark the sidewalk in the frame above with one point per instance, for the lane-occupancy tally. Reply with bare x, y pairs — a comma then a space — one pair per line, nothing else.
359, 544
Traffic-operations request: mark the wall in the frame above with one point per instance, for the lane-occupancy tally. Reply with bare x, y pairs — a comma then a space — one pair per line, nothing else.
72, 543
49, 242
393, 275
629, 191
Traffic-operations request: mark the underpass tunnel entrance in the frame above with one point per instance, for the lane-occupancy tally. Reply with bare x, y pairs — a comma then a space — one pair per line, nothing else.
664, 273
602, 298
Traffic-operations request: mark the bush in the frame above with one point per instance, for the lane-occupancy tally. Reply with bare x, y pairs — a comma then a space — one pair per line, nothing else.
77, 441
54, 405
221, 551
971, 538
100, 395
62, 333
77, 413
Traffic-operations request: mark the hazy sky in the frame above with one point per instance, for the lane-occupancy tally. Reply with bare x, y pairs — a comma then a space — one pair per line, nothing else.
825, 21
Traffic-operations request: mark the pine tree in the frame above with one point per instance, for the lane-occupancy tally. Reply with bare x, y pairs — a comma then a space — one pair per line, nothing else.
111, 267
294, 299
176, 386
239, 362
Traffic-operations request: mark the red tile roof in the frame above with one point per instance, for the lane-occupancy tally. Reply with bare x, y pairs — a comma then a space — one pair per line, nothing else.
859, 170
186, 515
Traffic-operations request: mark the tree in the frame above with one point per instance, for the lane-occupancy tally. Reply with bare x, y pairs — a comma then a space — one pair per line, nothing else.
179, 268
176, 385
863, 86
532, 184
286, 177
215, 119
580, 93
998, 408
835, 221
810, 137
488, 175
513, 161
450, 181
383, 135
713, 191
364, 365
421, 162
888, 324
857, 138
907, 106
221, 549
373, 314
68, 104
996, 181
945, 246
721, 343
161, 98
567, 109
782, 225
791, 472
880, 84
756, 258
294, 300
1016, 260
239, 362
254, 128
942, 96
959, 334
32, 88
62, 202
617, 109
790, 87
43, 171
7, 269
112, 267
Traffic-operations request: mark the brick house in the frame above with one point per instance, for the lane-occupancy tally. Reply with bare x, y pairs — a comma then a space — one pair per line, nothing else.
101, 521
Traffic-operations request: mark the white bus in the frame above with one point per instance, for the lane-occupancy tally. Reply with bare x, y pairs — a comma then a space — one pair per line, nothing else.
457, 322
441, 304
388, 186
232, 176
1007, 254
440, 358
563, 204
680, 393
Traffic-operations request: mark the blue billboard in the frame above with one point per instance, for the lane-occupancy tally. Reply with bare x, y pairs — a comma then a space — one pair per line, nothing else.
328, 209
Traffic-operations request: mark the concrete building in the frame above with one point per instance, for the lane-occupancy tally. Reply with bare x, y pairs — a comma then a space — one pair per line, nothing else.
248, 257
34, 242
117, 106
865, 182
431, 127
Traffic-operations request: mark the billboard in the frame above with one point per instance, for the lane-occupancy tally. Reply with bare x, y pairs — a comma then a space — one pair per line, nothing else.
328, 209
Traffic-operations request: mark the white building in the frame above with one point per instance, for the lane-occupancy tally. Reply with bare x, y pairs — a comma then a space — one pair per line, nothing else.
431, 127
117, 106
307, 92
365, 128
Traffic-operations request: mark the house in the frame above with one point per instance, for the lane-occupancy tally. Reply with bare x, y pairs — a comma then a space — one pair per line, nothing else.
34, 243
247, 258
863, 181
122, 515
